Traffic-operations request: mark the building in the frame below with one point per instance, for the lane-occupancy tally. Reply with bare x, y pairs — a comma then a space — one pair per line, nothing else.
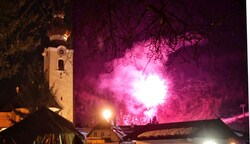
192, 132
58, 64
8, 116
213, 131
104, 132
58, 67
12, 111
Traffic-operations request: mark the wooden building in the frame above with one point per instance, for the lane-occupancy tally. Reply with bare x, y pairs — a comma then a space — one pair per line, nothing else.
104, 132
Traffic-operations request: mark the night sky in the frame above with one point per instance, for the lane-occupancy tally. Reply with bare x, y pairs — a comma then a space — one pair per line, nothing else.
201, 80
176, 60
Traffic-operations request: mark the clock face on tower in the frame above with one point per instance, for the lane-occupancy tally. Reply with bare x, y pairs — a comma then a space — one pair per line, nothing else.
61, 50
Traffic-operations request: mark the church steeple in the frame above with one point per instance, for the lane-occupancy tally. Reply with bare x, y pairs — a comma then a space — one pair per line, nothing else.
58, 62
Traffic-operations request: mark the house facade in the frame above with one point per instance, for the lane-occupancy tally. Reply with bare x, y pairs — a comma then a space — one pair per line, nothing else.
104, 132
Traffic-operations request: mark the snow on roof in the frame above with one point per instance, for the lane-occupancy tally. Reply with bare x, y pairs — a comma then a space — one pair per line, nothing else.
168, 132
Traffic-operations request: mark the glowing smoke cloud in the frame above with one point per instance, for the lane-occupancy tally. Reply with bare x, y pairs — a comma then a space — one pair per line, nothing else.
138, 82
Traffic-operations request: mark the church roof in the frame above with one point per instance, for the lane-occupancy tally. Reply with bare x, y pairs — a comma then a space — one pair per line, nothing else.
213, 128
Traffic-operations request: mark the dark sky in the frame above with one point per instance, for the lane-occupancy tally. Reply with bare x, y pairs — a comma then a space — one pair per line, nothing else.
207, 81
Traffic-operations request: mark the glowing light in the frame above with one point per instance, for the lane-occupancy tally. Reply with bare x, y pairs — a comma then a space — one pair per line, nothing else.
2, 129
150, 90
67, 34
209, 142
107, 114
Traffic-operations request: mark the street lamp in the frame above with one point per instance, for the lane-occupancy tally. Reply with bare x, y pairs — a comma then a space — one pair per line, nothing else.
107, 114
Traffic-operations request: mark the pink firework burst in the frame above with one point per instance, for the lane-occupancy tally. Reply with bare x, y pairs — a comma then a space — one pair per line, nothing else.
138, 84
150, 90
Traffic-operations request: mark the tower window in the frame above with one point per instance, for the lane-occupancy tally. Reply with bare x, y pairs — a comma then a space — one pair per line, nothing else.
61, 65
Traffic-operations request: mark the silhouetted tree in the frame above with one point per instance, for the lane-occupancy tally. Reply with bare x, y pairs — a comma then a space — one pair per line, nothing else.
22, 29
23, 37
109, 28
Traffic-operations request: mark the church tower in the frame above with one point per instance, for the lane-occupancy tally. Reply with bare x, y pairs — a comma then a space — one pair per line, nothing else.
58, 64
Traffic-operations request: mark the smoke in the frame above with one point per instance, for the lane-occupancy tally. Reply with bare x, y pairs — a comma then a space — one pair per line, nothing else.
138, 82
138, 88
141, 87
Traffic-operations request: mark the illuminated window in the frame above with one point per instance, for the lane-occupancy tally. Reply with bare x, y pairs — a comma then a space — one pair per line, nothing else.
95, 134
61, 65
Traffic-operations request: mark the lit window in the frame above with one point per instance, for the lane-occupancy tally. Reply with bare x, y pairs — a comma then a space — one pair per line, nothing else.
61, 65
95, 134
